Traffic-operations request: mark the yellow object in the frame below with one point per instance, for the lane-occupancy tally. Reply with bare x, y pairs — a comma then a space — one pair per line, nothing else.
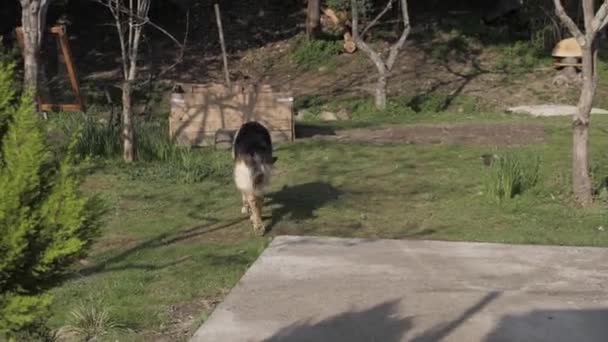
567, 48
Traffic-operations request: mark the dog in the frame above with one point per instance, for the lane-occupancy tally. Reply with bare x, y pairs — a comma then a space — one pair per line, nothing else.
253, 163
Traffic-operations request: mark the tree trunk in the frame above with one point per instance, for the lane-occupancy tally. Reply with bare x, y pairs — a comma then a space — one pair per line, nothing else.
313, 19
380, 94
581, 181
33, 15
127, 123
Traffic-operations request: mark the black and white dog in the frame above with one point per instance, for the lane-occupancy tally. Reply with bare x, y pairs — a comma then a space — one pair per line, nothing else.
253, 162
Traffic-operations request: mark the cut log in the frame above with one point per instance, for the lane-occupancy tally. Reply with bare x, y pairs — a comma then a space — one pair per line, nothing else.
340, 19
349, 43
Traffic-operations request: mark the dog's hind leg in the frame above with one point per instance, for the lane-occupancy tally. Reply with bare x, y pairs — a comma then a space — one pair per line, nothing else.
245, 210
255, 205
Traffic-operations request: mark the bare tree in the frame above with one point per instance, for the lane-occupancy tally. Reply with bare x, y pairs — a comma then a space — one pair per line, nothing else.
594, 23
313, 19
33, 19
384, 67
130, 17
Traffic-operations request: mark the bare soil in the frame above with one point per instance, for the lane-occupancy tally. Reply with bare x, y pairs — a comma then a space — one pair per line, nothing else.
470, 134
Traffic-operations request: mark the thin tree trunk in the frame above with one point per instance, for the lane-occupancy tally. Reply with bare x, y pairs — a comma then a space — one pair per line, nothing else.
218, 18
384, 67
127, 122
33, 15
380, 94
313, 19
581, 181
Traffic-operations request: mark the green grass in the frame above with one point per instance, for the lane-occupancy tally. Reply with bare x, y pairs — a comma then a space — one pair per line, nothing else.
426, 108
315, 53
169, 248
510, 174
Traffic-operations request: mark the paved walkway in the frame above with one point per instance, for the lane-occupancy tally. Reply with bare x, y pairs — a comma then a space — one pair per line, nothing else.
329, 289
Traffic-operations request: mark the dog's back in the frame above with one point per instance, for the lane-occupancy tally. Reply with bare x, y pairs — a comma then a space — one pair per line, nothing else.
252, 153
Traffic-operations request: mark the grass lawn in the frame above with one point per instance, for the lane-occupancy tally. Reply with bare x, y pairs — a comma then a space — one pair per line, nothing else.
169, 250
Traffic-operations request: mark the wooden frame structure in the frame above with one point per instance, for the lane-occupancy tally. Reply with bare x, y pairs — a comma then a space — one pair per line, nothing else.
64, 50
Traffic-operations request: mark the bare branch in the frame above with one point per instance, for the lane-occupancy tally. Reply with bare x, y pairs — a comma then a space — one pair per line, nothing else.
180, 57
123, 47
601, 17
357, 38
373, 23
144, 20
567, 21
394, 51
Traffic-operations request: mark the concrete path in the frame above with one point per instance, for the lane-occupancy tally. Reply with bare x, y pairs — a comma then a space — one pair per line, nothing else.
329, 289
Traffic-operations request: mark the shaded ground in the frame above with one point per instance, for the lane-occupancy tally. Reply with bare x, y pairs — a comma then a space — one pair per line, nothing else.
473, 134
394, 291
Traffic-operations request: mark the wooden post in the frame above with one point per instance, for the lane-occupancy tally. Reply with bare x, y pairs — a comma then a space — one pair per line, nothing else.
67, 57
222, 43
65, 53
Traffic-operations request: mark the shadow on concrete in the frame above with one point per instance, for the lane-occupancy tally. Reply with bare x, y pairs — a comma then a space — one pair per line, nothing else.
375, 324
379, 323
553, 326
440, 331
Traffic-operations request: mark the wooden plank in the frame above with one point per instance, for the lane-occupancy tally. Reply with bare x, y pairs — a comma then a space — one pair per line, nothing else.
67, 55
214, 125
66, 107
60, 33
197, 117
239, 100
208, 138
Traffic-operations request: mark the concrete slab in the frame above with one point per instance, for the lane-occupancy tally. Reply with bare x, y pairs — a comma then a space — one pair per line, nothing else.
551, 110
330, 289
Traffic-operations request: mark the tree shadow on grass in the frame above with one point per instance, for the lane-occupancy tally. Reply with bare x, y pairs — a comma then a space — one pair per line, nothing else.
161, 240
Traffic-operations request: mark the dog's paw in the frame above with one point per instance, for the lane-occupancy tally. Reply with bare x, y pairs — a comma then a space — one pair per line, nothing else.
260, 230
245, 210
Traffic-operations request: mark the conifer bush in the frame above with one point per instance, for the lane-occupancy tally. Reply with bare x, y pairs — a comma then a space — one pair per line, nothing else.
45, 222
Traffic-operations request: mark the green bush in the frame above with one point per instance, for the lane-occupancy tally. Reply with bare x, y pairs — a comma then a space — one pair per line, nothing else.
45, 223
308, 54
159, 158
511, 174
520, 57
185, 166
429, 103
365, 7
366, 110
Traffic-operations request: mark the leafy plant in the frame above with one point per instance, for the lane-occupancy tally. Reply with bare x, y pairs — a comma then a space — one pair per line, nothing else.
520, 57
158, 155
511, 174
429, 103
308, 54
89, 324
45, 222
